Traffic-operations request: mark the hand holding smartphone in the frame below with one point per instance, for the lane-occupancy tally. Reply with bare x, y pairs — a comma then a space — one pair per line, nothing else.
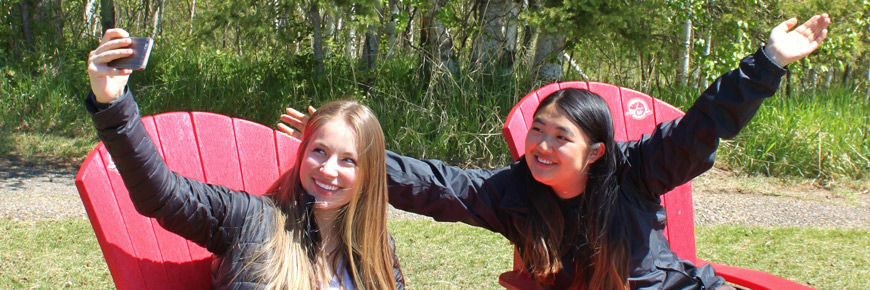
139, 60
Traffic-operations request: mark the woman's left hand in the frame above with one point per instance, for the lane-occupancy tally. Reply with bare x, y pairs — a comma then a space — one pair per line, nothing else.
297, 120
784, 46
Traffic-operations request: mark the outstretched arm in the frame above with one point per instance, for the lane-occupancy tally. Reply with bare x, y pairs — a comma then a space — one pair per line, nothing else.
680, 150
784, 46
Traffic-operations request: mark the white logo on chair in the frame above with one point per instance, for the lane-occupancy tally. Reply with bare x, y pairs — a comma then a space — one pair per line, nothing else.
638, 109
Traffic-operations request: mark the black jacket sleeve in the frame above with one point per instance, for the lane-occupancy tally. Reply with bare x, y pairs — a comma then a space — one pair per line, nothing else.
682, 149
209, 215
446, 193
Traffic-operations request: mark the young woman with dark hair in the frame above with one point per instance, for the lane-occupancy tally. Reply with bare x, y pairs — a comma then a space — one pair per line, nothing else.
322, 225
584, 210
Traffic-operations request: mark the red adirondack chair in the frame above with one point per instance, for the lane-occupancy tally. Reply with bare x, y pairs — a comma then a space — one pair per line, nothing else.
634, 114
209, 147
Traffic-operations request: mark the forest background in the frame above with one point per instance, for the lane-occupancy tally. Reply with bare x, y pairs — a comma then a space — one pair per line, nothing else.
441, 74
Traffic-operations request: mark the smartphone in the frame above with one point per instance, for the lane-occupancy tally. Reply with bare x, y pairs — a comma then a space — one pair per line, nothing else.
141, 51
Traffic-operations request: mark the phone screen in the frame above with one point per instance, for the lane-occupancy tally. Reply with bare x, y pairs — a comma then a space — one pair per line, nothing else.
139, 60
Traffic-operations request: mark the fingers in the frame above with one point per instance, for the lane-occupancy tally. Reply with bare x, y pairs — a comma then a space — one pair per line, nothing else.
814, 26
295, 122
821, 36
785, 26
294, 113
311, 110
289, 131
114, 33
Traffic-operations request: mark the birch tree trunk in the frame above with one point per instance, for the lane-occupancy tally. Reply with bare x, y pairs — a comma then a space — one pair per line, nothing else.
547, 50
90, 17
390, 28
687, 50
192, 12
441, 42
547, 62
493, 43
704, 82
157, 16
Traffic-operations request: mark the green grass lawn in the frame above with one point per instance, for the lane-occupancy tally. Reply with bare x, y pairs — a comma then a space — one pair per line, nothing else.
63, 254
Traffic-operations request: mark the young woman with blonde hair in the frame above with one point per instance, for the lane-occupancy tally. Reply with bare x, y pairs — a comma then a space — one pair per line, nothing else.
322, 225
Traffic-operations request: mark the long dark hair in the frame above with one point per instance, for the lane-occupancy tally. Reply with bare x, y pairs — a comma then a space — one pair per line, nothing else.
591, 233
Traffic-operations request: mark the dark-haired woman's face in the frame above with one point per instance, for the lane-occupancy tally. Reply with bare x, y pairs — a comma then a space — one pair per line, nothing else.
558, 152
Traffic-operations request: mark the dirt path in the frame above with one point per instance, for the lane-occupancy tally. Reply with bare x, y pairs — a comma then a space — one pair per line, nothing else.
720, 197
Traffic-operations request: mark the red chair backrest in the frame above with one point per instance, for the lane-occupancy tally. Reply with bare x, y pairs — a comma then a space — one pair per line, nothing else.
634, 114
209, 147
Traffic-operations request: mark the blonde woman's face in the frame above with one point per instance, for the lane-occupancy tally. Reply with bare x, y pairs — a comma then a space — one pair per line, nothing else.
329, 167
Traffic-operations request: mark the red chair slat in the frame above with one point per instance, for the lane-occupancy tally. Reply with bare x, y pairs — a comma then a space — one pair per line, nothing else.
104, 213
287, 148
220, 155
611, 94
257, 154
138, 228
177, 140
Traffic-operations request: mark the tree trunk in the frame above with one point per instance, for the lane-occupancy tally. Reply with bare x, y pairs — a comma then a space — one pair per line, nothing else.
687, 52
89, 16
390, 27
704, 82
847, 75
157, 16
316, 36
107, 14
492, 46
370, 50
442, 42
547, 50
24, 6
829, 76
192, 12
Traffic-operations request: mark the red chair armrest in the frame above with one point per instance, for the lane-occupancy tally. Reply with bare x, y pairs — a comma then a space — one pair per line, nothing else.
753, 279
517, 280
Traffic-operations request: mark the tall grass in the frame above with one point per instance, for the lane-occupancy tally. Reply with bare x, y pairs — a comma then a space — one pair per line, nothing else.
817, 134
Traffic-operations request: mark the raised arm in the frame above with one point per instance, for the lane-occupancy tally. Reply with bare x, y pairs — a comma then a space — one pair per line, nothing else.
203, 213
680, 150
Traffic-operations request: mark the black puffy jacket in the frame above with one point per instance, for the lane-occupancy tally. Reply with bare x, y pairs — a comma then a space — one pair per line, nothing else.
230, 224
673, 154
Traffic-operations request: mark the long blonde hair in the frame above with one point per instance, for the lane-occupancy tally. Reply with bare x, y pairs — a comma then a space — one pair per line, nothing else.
361, 224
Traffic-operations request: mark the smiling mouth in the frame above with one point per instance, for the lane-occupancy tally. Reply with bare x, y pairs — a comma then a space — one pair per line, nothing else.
326, 186
544, 161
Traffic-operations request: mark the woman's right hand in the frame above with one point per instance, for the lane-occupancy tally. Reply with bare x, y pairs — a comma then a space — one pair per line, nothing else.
107, 82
